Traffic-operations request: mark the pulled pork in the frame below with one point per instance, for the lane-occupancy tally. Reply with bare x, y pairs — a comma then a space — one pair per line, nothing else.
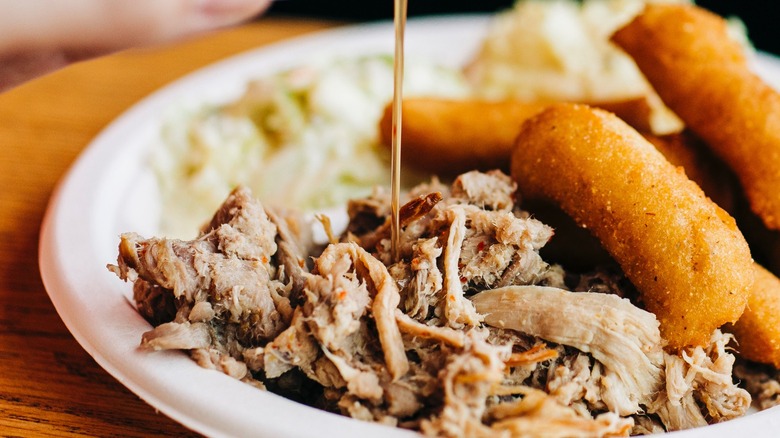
470, 333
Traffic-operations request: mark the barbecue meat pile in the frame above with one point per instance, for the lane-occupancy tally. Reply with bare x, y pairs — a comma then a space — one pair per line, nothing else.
469, 334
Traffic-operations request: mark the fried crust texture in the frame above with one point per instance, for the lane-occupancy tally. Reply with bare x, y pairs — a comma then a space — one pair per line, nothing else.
684, 254
449, 137
758, 330
703, 75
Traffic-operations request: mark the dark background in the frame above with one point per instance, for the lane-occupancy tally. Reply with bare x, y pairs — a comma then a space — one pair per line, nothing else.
758, 15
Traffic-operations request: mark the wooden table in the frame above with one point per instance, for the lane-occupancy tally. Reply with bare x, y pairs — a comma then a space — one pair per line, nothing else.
48, 384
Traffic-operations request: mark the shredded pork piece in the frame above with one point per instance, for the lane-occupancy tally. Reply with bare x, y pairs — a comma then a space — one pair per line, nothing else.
213, 359
697, 377
538, 353
468, 379
385, 300
221, 291
492, 190
538, 414
177, 336
292, 348
458, 311
575, 379
293, 241
446, 335
622, 337
426, 279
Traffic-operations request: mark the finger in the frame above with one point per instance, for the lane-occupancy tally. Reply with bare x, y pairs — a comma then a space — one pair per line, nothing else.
100, 26
17, 69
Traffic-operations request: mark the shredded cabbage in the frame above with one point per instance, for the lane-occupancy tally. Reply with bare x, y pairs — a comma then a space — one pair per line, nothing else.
305, 138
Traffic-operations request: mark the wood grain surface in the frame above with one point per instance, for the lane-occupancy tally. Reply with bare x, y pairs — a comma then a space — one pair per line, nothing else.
49, 386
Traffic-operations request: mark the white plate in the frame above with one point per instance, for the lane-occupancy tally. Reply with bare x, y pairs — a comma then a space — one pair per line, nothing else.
110, 190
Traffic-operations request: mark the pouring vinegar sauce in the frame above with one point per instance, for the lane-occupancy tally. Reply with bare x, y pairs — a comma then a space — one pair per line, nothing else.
399, 19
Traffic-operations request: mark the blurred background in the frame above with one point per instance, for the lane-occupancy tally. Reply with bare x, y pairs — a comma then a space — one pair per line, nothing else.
756, 14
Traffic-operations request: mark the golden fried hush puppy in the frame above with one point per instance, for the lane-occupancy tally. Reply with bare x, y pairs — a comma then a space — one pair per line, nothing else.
449, 137
758, 330
702, 74
684, 254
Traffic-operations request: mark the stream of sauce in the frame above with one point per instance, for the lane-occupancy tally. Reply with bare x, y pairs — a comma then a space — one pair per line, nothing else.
399, 19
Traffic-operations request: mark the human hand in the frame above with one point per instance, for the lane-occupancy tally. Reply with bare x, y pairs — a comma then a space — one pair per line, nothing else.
39, 36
